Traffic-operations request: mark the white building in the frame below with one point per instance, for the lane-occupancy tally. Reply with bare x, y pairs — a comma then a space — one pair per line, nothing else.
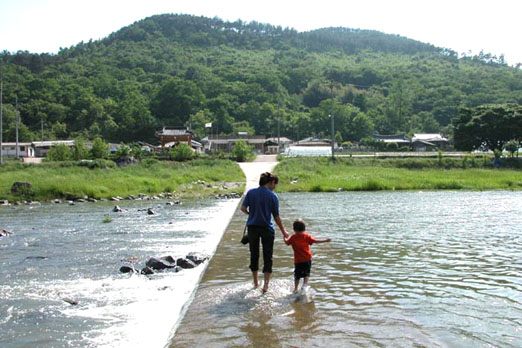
24, 150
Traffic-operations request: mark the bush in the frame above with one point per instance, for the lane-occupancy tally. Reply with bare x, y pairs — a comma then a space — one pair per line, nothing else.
242, 152
149, 162
59, 153
123, 151
181, 152
100, 149
392, 147
79, 151
98, 164
512, 147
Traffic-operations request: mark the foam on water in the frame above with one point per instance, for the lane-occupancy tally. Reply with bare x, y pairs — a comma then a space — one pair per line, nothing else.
80, 261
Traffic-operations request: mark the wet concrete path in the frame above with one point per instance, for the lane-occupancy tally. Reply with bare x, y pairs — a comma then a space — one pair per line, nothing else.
227, 268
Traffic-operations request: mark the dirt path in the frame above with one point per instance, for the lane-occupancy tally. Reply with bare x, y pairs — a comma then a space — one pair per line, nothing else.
252, 170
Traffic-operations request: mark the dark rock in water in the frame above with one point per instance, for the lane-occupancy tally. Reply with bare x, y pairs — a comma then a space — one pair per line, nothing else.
57, 201
161, 263
81, 200
127, 269
197, 258
70, 301
184, 263
116, 209
169, 259
92, 200
147, 271
177, 269
4, 233
21, 188
36, 258
150, 211
125, 161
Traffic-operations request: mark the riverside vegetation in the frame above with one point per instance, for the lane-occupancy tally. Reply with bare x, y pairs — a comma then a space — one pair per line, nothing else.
102, 179
351, 174
180, 69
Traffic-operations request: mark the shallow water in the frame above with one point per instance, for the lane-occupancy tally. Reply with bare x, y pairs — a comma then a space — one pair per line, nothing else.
62, 251
404, 269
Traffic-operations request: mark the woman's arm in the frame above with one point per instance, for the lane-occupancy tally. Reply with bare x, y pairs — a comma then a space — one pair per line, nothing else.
244, 209
281, 227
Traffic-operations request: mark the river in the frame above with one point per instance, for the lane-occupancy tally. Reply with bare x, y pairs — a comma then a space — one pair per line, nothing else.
404, 269
67, 252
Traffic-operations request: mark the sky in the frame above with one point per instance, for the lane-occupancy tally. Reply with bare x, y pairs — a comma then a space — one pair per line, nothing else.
461, 25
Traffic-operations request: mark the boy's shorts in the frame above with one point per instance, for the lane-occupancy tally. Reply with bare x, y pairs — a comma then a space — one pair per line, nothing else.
302, 269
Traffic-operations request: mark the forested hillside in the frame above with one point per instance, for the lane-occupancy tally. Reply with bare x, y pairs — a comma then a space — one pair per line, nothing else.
180, 69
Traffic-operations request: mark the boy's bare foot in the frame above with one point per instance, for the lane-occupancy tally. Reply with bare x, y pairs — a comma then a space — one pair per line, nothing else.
265, 288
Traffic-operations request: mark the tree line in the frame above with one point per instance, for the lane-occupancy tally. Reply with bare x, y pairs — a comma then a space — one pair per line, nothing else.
250, 77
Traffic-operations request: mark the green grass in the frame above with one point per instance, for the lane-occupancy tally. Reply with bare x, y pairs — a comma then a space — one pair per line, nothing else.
325, 175
57, 180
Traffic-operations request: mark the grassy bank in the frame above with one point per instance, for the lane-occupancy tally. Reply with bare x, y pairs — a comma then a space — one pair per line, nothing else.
62, 179
325, 175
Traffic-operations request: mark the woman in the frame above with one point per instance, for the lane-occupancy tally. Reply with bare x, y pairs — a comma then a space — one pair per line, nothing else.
261, 204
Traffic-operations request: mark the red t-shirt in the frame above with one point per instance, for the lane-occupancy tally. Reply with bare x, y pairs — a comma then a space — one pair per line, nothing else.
300, 243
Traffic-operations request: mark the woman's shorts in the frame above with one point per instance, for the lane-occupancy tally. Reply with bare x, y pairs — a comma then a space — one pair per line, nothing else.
302, 269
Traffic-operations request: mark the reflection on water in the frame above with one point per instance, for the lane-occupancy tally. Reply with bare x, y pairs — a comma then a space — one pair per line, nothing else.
409, 269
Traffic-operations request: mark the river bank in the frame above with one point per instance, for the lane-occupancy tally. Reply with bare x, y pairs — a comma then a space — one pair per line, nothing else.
349, 174
71, 180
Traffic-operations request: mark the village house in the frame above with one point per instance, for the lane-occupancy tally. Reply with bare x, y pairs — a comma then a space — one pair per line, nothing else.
259, 143
24, 150
41, 148
171, 136
428, 142
399, 139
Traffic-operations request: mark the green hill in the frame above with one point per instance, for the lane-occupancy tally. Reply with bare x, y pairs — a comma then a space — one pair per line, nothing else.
180, 69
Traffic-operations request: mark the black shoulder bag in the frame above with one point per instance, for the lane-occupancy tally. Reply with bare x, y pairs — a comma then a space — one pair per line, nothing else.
245, 240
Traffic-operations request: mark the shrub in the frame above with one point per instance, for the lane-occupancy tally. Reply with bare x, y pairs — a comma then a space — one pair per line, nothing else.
181, 152
59, 153
242, 152
512, 147
392, 146
149, 162
122, 151
98, 164
79, 151
100, 149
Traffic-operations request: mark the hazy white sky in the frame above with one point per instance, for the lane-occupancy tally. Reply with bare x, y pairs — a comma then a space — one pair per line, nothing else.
462, 25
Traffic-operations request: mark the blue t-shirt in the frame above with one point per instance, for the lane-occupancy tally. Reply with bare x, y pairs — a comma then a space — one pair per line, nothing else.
262, 204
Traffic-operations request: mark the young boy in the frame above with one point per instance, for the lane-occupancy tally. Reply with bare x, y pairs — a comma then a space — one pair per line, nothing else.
300, 242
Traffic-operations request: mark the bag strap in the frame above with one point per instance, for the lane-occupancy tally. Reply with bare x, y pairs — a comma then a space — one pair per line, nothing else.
245, 231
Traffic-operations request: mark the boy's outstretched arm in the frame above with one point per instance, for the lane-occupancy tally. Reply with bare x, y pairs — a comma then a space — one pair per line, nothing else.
323, 240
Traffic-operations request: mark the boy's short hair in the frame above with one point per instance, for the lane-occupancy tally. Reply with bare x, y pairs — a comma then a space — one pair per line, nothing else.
299, 225
267, 177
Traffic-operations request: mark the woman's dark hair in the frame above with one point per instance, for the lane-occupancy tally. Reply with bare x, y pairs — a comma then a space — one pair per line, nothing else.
299, 225
266, 178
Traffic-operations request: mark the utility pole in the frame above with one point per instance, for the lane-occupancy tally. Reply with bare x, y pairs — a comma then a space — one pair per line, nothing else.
16, 122
41, 128
1, 123
332, 117
278, 127
333, 139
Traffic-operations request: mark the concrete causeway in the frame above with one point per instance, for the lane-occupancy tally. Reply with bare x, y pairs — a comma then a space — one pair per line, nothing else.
229, 262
